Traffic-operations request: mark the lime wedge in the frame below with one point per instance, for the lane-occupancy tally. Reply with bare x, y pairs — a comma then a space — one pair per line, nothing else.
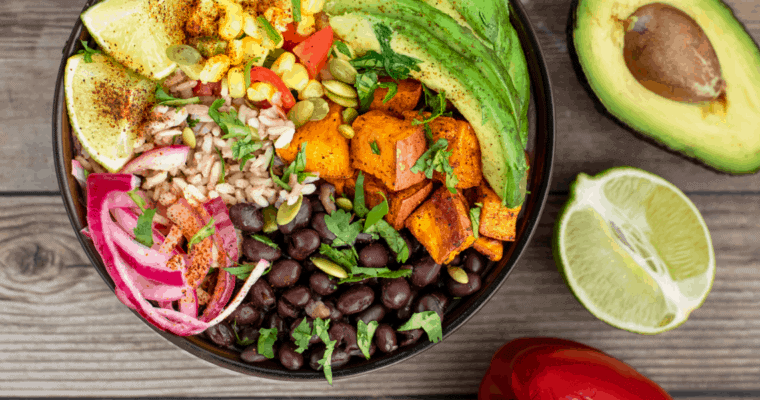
137, 33
106, 105
634, 250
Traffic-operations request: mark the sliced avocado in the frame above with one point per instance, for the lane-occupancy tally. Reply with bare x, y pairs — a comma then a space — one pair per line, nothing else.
724, 132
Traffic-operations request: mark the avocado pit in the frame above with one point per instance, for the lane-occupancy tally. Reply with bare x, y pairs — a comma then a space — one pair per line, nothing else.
670, 54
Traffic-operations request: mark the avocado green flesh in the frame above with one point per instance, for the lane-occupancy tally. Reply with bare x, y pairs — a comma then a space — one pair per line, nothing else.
722, 133
458, 62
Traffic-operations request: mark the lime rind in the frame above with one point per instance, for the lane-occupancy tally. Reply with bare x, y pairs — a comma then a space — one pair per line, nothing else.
680, 294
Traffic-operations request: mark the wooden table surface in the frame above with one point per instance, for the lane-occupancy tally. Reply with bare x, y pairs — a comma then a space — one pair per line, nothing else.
63, 333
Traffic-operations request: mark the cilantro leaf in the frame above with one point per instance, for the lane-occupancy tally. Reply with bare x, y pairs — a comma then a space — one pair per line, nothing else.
243, 148
377, 273
375, 148
394, 239
202, 233
346, 258
398, 66
366, 83
223, 173
302, 335
191, 122
144, 230
359, 206
88, 52
339, 223
436, 158
276, 178
343, 48
267, 337
475, 220
243, 271
428, 321
267, 241
377, 213
364, 333
321, 330
428, 133
392, 90
242, 342
166, 99
437, 104
296, 167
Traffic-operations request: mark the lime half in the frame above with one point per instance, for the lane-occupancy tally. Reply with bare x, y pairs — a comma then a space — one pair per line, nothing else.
634, 250
137, 32
106, 105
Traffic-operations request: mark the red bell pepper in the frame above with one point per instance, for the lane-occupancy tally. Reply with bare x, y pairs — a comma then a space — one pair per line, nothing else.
558, 369
291, 37
261, 74
313, 51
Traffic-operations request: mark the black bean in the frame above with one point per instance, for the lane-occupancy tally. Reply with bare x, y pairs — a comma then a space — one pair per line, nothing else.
314, 339
474, 262
344, 336
358, 352
430, 302
395, 293
316, 205
411, 242
289, 358
385, 338
245, 314
374, 313
249, 334
308, 266
297, 296
411, 337
251, 354
405, 312
318, 224
363, 238
335, 313
285, 309
425, 272
256, 250
302, 243
456, 260
339, 358
284, 273
322, 284
247, 217
374, 256
355, 300
275, 321
221, 334
301, 220
261, 294
464, 289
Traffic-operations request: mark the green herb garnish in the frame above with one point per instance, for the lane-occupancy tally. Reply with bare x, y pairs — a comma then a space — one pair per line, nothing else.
397, 66
247, 70
243, 149
436, 102
346, 258
321, 330
475, 219
267, 241
366, 83
267, 337
392, 90
88, 52
246, 341
302, 335
429, 321
296, 167
269, 29
359, 206
243, 271
144, 230
436, 158
377, 273
222, 174
339, 223
377, 213
364, 333
191, 122
391, 236
165, 99
375, 147
343, 48
202, 233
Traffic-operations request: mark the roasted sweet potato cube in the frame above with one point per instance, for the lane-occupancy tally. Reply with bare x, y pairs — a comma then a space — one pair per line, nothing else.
387, 147
491, 248
401, 204
442, 225
496, 221
327, 151
407, 97
372, 189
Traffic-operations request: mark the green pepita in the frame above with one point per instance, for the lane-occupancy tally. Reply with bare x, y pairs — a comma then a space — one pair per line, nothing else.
301, 113
458, 275
321, 109
339, 88
347, 131
342, 70
188, 137
287, 213
344, 203
330, 268
270, 219
349, 115
344, 101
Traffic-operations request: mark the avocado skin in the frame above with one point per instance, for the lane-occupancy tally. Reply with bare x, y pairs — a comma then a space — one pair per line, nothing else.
723, 134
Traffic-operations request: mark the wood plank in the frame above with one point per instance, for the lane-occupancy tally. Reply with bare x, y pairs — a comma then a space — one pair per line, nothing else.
63, 333
34, 32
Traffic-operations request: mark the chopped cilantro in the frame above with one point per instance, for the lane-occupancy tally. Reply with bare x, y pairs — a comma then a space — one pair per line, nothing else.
436, 102
375, 147
376, 273
392, 90
346, 258
321, 330
222, 174
242, 342
267, 337
366, 83
429, 321
377, 213
364, 333
166, 99
343, 48
244, 147
202, 233
144, 230
339, 223
436, 158
302, 335
428, 133
475, 219
191, 122
296, 167
396, 243
243, 271
267, 241
359, 207
88, 52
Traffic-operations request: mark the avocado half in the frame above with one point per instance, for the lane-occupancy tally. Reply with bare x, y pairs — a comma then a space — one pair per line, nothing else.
723, 133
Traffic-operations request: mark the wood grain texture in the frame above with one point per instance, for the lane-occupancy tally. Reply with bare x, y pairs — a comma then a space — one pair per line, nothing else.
35, 31
63, 333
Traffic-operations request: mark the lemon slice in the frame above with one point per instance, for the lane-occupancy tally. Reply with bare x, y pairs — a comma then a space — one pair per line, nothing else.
106, 104
137, 32
634, 250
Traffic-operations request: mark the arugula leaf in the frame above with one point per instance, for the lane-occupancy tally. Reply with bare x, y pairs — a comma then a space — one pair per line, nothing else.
202, 233
302, 335
392, 90
267, 337
191, 122
88, 52
364, 333
436, 158
223, 173
339, 223
475, 219
346, 258
296, 4
267, 241
396, 243
427, 320
166, 99
321, 329
144, 230
343, 48
377, 212
375, 148
359, 206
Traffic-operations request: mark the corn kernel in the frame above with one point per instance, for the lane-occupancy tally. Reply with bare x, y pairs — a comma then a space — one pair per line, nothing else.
307, 25
236, 52
253, 50
283, 63
260, 91
312, 90
236, 82
312, 6
251, 27
231, 23
297, 78
215, 68
278, 18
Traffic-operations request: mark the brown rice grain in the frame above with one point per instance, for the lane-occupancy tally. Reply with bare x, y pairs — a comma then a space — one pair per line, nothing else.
212, 194
240, 196
179, 183
195, 179
229, 200
167, 198
225, 188
241, 184
185, 85
216, 172
216, 130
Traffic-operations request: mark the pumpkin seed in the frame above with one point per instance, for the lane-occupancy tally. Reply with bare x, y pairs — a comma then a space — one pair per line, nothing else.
339, 88
287, 213
344, 101
188, 137
321, 109
344, 203
330, 268
270, 219
342, 70
349, 115
347, 131
312, 90
458, 275
301, 113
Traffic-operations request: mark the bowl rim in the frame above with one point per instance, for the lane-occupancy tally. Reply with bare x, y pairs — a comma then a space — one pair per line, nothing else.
540, 184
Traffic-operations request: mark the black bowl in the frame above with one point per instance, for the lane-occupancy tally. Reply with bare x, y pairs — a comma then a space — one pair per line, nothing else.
541, 154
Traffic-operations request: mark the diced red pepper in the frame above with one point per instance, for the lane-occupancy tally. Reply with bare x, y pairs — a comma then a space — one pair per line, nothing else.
208, 89
291, 37
261, 74
313, 51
